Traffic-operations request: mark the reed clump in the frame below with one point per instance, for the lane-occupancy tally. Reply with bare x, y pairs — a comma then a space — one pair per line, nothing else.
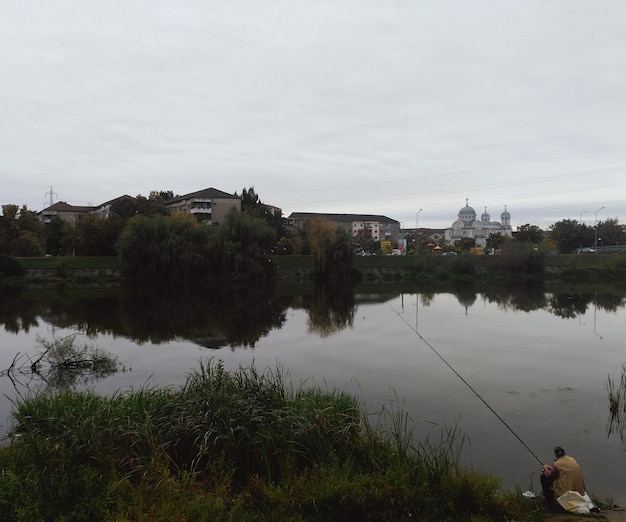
237, 445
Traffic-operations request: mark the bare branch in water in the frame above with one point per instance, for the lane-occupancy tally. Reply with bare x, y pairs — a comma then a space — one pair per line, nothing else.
62, 364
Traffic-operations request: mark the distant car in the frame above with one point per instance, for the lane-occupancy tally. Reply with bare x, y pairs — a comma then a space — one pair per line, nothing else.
449, 254
587, 250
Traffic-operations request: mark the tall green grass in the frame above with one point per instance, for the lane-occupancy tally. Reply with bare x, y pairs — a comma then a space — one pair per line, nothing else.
232, 445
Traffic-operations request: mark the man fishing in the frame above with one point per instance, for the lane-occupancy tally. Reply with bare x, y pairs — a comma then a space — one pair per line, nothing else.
564, 475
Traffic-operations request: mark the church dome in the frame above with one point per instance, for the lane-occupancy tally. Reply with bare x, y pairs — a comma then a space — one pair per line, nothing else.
467, 213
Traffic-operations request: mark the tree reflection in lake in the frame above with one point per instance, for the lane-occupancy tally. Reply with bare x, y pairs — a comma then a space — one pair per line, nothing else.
235, 316
210, 316
156, 313
571, 305
331, 308
525, 297
16, 314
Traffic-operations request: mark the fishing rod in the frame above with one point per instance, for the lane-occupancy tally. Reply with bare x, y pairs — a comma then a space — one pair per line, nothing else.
466, 384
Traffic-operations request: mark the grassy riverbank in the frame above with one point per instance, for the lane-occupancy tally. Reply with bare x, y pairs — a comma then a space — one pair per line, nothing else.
237, 446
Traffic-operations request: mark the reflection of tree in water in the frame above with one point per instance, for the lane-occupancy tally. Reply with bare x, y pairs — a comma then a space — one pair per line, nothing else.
426, 299
571, 305
568, 306
609, 302
617, 406
212, 316
61, 364
215, 317
525, 297
18, 314
331, 309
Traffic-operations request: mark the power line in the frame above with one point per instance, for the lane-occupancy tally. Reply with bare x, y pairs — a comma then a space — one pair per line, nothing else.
468, 385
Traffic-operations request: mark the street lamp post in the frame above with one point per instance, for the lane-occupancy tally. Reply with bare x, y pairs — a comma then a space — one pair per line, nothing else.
417, 232
580, 222
601, 208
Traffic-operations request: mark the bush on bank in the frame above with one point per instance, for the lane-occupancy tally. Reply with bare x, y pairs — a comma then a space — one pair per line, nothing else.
234, 446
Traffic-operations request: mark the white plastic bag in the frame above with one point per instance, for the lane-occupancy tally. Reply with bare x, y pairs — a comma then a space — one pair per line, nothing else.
574, 502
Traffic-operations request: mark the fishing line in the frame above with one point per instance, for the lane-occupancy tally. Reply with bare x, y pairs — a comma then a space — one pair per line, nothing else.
466, 384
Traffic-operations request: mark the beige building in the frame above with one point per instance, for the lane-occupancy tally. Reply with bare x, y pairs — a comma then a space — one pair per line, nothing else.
63, 211
378, 228
207, 206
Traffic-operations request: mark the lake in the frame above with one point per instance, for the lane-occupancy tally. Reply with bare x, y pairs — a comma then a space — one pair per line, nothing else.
519, 370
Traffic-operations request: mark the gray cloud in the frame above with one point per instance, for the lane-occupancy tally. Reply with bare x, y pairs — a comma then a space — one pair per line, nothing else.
381, 107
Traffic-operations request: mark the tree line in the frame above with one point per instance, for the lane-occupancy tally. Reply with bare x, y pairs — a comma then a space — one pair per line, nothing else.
22, 234
567, 236
152, 244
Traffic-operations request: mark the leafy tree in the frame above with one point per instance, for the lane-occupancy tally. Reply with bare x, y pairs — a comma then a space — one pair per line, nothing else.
289, 244
27, 244
465, 244
29, 222
495, 241
125, 207
21, 232
154, 204
9, 228
9, 267
529, 234
245, 243
92, 236
252, 205
569, 235
522, 258
611, 232
331, 246
249, 200
162, 247
364, 239
181, 249
54, 235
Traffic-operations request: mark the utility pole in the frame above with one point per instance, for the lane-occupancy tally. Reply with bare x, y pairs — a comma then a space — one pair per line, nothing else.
597, 227
417, 232
51, 193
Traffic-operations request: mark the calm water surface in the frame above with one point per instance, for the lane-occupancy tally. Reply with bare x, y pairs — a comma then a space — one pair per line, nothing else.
540, 360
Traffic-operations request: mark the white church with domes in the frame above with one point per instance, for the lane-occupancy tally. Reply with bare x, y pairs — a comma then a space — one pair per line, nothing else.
479, 229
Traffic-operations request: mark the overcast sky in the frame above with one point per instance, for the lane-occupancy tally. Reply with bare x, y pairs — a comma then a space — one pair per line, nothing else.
357, 106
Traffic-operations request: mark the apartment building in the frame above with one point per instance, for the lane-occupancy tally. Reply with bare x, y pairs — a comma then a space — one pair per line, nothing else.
63, 211
378, 228
207, 206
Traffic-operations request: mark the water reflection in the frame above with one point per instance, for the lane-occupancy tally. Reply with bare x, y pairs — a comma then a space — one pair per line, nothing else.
330, 309
212, 317
240, 316
526, 297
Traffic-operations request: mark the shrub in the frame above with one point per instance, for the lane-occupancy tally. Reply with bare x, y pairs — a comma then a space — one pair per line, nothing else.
464, 265
10, 267
232, 446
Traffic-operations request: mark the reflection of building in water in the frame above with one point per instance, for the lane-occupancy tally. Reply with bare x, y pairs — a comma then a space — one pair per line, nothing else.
467, 226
